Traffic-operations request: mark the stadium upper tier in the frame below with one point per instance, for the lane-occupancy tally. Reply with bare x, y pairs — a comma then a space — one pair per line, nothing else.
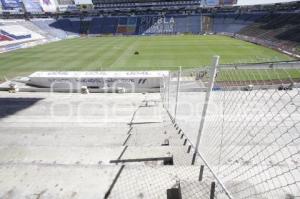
29, 8
139, 4
143, 1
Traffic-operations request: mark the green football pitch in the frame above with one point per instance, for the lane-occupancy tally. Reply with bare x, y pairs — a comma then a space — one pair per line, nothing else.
118, 53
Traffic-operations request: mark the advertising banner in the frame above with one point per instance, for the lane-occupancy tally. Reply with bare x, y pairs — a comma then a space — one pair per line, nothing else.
228, 2
84, 5
11, 4
32, 6
212, 2
66, 6
49, 5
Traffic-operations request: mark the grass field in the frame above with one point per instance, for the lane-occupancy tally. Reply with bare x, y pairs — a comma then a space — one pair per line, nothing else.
117, 53
259, 75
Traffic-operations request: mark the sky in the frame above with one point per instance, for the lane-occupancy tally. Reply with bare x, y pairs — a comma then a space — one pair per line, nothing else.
251, 2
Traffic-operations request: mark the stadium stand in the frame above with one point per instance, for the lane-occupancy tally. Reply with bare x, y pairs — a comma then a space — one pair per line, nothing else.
276, 26
276, 29
44, 24
4, 38
131, 25
70, 27
233, 23
20, 33
15, 34
144, 5
265, 28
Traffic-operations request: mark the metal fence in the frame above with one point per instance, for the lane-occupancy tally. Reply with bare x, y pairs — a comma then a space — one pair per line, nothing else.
244, 122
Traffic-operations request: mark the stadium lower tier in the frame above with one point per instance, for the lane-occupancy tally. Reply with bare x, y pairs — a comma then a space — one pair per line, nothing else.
131, 25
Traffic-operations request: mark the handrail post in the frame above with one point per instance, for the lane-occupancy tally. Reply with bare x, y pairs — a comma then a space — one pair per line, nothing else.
164, 91
177, 91
213, 72
169, 79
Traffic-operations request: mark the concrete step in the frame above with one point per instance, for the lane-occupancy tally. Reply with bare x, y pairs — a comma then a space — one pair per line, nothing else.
195, 189
62, 139
179, 154
151, 181
149, 135
201, 190
61, 128
53, 155
55, 181
157, 138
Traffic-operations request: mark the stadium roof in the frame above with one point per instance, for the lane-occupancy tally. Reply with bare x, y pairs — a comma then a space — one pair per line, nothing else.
136, 1
256, 2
